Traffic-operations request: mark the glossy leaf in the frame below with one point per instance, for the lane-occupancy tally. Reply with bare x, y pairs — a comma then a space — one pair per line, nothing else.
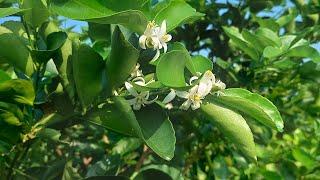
88, 71
270, 37
17, 91
232, 125
237, 38
304, 158
172, 64
157, 131
54, 41
177, 13
150, 124
254, 105
11, 114
94, 11
189, 62
118, 116
304, 51
172, 172
20, 56
272, 52
37, 14
202, 64
9, 11
122, 60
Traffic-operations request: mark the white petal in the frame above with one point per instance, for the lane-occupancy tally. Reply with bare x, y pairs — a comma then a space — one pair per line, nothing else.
165, 47
182, 94
145, 95
204, 88
193, 78
137, 106
156, 43
130, 88
167, 37
156, 56
194, 89
139, 81
196, 105
163, 27
132, 101
142, 41
169, 97
186, 105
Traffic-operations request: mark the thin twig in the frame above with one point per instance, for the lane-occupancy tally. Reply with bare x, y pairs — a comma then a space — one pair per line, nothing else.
145, 154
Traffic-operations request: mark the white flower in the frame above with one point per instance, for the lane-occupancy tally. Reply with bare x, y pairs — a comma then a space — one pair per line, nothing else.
218, 85
194, 97
162, 35
136, 72
140, 99
155, 37
149, 38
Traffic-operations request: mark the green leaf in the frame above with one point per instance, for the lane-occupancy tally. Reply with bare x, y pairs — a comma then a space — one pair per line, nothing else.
272, 52
150, 124
118, 116
172, 64
63, 58
304, 52
232, 125
268, 23
189, 63
49, 134
269, 37
11, 114
9, 11
284, 20
9, 136
17, 91
202, 64
69, 172
54, 41
172, 172
254, 105
88, 71
157, 130
122, 60
100, 32
177, 13
38, 13
19, 56
4, 76
152, 174
237, 38
306, 159
126, 145
94, 11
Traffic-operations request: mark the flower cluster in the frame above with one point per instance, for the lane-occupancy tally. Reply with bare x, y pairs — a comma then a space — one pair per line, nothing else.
155, 37
206, 85
139, 99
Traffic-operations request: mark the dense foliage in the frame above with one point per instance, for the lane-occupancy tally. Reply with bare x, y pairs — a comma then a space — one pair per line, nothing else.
167, 89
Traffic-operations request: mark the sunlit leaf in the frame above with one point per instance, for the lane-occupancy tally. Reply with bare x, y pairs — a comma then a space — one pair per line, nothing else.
254, 105
232, 125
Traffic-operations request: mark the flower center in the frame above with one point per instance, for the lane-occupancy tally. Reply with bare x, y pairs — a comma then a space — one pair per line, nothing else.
195, 98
